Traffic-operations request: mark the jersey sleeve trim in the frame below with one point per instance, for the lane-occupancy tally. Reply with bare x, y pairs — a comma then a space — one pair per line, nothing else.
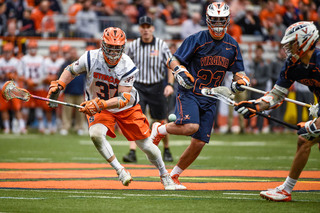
88, 61
129, 73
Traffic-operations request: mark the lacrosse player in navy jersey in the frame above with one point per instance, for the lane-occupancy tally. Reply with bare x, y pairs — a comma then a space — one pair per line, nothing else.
201, 61
302, 65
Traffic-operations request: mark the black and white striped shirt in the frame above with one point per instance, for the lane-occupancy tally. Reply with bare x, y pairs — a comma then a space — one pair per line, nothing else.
150, 59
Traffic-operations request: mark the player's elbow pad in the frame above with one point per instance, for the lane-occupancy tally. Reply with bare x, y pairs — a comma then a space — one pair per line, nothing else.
123, 99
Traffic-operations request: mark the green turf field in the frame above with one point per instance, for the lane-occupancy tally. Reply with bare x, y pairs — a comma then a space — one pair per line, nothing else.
240, 152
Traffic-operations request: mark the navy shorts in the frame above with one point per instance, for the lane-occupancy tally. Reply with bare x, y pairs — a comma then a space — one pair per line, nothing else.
190, 109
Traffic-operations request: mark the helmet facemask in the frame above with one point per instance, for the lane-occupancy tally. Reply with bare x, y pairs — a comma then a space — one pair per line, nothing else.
112, 53
112, 44
218, 25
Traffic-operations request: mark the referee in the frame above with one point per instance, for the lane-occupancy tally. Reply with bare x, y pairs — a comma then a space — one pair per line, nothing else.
154, 81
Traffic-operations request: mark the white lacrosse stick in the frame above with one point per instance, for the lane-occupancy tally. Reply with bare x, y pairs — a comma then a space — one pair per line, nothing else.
10, 91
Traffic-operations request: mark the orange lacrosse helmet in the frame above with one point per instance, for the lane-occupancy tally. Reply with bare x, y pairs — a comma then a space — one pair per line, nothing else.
8, 47
32, 44
54, 48
112, 44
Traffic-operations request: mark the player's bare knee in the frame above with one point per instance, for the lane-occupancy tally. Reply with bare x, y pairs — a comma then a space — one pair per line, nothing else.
191, 129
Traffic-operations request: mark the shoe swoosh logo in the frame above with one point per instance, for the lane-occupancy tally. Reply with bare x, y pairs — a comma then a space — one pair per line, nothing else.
146, 132
228, 48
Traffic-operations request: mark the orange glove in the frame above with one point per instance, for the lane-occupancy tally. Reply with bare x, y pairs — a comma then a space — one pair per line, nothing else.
93, 106
54, 91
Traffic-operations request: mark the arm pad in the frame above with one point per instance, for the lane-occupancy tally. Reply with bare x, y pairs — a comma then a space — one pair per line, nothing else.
123, 99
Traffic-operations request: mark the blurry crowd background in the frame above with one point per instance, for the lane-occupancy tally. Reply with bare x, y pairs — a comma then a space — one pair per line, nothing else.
46, 35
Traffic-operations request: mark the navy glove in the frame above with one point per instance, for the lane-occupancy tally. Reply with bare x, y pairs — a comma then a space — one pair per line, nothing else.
247, 108
184, 78
242, 80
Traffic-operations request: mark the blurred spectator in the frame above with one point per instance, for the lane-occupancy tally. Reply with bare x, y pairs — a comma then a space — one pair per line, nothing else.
279, 28
8, 71
55, 6
27, 27
276, 67
52, 66
169, 15
87, 24
184, 15
73, 10
15, 9
12, 37
308, 11
101, 8
191, 26
291, 16
42, 18
235, 31
204, 6
160, 30
143, 7
33, 73
250, 22
3, 18
73, 93
120, 11
259, 79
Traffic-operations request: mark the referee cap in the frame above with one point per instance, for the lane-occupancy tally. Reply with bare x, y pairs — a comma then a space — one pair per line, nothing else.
145, 20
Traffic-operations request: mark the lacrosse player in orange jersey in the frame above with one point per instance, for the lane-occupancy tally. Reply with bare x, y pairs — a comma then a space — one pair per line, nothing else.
111, 98
52, 65
8, 71
32, 69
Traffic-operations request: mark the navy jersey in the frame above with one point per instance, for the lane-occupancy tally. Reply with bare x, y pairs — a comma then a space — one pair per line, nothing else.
307, 75
208, 60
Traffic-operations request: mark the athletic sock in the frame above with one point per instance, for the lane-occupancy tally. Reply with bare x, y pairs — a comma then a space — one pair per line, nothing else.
160, 165
116, 165
6, 124
176, 170
163, 130
289, 184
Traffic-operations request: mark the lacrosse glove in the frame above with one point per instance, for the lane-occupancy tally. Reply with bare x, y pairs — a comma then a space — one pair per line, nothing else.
247, 108
93, 106
184, 78
54, 90
236, 85
308, 130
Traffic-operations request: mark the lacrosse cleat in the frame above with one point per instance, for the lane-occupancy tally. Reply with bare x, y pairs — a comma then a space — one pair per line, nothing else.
176, 180
278, 194
169, 184
124, 177
155, 135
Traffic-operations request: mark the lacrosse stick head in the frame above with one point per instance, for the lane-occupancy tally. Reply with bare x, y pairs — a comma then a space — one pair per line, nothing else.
10, 91
221, 93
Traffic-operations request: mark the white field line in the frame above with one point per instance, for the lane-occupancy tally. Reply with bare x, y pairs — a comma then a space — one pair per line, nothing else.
103, 197
24, 198
187, 142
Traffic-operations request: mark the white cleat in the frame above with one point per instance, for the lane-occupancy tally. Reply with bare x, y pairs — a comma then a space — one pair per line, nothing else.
124, 177
278, 194
169, 184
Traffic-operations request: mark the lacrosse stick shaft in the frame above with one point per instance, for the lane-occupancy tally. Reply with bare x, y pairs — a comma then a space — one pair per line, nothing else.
286, 99
230, 102
277, 120
57, 102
